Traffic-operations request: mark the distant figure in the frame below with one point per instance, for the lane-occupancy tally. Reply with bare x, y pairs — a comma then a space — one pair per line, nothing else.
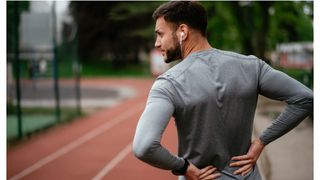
212, 94
43, 66
33, 69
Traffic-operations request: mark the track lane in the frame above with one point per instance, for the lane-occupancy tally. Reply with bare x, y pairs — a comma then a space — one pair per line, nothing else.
133, 169
89, 158
77, 143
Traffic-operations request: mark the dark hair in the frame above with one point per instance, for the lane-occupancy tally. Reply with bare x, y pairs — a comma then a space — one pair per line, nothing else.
177, 12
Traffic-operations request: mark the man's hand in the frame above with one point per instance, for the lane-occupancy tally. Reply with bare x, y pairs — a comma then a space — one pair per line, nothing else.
249, 160
207, 173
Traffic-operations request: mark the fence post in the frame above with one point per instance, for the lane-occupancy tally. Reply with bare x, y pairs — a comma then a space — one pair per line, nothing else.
55, 63
17, 66
78, 74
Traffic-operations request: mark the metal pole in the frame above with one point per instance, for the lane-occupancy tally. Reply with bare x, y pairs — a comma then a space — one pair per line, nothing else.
17, 66
78, 70
55, 64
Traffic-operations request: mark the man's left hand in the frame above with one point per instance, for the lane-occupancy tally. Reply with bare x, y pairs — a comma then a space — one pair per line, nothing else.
246, 162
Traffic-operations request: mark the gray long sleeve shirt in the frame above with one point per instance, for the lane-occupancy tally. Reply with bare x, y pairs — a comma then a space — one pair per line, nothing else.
212, 95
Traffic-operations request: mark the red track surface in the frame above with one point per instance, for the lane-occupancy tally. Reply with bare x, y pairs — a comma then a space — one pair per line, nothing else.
81, 149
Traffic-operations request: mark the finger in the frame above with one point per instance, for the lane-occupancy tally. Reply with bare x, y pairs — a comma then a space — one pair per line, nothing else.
203, 170
238, 158
243, 169
211, 176
207, 173
241, 163
246, 172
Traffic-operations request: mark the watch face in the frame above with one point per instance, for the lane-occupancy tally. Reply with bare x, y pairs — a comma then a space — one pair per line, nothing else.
183, 170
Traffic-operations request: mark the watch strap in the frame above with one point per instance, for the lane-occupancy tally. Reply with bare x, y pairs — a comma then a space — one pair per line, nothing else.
183, 170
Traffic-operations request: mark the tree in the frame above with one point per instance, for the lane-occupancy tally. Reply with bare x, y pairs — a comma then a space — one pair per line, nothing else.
117, 30
289, 22
256, 27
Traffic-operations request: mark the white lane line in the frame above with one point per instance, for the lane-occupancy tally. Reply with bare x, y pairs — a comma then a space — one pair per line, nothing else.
88, 136
113, 163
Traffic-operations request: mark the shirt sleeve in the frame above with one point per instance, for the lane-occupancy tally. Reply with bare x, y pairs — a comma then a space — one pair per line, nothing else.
151, 125
279, 86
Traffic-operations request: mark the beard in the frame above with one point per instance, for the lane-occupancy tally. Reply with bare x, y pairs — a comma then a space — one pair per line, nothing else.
173, 53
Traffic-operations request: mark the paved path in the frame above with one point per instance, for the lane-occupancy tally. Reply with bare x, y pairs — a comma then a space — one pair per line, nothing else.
291, 156
40, 93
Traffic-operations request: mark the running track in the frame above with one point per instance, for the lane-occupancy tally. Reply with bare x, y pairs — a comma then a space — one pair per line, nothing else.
94, 147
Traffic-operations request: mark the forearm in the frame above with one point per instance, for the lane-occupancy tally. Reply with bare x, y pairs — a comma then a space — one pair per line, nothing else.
146, 145
156, 155
286, 121
279, 86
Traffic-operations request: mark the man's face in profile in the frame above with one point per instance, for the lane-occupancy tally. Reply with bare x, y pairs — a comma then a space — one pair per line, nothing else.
167, 41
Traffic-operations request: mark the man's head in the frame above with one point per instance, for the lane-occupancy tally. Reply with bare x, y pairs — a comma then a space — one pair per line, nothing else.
174, 22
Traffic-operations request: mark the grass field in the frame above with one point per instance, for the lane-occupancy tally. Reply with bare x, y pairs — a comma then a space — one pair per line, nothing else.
88, 69
35, 120
30, 124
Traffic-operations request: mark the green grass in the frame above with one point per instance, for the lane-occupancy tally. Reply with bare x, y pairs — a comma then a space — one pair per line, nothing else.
30, 124
89, 69
35, 120
105, 69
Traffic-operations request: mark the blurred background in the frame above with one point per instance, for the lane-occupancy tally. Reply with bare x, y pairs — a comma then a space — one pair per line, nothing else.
53, 45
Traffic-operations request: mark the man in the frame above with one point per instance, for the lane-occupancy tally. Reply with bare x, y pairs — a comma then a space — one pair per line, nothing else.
212, 94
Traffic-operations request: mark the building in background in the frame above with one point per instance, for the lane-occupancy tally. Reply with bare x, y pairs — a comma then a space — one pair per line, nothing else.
297, 55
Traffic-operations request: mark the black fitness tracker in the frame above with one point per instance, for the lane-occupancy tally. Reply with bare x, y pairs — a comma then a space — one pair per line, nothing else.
183, 170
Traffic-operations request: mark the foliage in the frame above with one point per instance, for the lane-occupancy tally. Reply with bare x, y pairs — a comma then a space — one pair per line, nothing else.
290, 23
221, 35
258, 26
114, 30
120, 29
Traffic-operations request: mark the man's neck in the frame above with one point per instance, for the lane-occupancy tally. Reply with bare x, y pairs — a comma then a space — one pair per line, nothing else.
194, 44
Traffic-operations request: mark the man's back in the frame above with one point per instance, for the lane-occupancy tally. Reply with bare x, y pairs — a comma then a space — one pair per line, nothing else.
215, 95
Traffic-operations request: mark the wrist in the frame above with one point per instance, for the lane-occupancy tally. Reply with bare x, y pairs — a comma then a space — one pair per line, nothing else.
261, 143
182, 170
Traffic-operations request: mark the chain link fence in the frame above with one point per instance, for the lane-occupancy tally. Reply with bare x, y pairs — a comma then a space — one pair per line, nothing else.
41, 49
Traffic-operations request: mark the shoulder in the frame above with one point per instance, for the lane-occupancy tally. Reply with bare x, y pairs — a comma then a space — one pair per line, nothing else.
161, 83
229, 55
249, 62
162, 89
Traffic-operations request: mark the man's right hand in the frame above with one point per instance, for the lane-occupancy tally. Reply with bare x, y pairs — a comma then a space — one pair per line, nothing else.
207, 173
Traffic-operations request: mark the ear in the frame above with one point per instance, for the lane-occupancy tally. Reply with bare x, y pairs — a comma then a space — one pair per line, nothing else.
183, 30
